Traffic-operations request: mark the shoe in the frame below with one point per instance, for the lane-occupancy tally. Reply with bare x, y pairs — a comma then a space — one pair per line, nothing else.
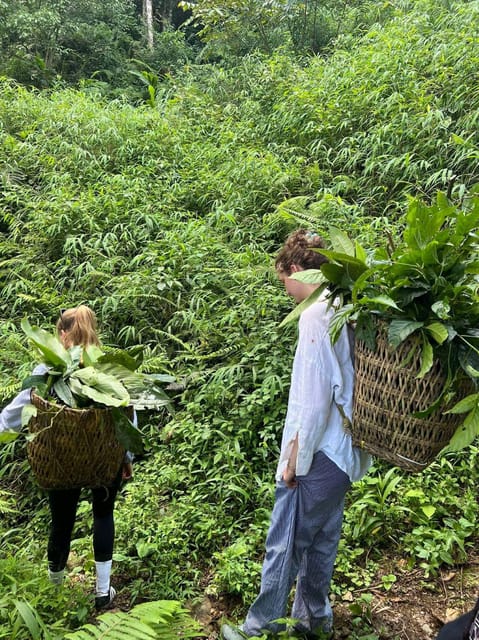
104, 600
228, 632
56, 577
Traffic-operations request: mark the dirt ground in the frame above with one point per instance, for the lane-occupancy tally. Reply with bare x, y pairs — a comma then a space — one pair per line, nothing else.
413, 609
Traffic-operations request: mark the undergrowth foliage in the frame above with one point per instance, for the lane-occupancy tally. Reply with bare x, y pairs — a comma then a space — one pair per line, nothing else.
164, 218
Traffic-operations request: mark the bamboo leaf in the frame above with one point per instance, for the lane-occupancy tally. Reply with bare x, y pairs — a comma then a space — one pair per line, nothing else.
32, 621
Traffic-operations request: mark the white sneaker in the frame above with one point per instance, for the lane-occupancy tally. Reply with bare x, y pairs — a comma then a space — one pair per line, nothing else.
104, 600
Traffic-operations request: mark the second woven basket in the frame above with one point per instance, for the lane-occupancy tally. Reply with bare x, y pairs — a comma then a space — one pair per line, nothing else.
387, 393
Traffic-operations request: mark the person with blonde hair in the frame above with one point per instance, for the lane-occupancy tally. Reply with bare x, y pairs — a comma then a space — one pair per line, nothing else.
76, 326
316, 466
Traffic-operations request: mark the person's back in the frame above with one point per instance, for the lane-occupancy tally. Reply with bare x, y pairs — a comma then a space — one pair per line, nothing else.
76, 326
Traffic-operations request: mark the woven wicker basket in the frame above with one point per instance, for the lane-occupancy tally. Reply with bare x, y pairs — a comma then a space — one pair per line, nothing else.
387, 394
73, 447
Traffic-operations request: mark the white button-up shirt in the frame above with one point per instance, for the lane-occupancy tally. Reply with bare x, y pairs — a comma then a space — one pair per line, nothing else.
322, 378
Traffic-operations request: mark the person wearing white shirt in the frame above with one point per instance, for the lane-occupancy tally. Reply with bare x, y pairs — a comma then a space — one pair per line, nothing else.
316, 467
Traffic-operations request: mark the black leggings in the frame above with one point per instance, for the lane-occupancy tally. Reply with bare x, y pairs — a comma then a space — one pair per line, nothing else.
63, 508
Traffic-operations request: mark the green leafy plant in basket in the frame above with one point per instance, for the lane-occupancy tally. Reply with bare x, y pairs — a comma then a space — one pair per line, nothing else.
85, 377
423, 291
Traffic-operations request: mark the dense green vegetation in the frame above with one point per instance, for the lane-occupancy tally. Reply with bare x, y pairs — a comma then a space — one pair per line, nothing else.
164, 216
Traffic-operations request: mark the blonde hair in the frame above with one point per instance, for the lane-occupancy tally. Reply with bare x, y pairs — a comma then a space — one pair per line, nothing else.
80, 326
298, 250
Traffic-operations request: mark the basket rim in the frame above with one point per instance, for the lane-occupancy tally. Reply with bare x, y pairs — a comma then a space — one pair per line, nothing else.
65, 407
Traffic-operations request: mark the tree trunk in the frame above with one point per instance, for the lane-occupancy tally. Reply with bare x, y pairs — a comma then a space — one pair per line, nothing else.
148, 18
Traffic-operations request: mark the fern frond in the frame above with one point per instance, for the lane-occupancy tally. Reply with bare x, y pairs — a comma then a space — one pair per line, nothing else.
162, 619
8, 391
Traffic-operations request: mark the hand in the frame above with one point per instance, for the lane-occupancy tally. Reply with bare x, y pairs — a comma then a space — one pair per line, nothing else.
289, 477
127, 471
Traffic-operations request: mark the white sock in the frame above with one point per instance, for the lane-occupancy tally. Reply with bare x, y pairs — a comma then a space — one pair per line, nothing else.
103, 570
56, 577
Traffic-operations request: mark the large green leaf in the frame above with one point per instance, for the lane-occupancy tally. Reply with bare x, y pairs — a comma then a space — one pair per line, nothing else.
52, 350
64, 392
28, 412
427, 358
90, 393
366, 330
36, 381
161, 377
297, 311
102, 382
333, 272
133, 381
120, 358
424, 222
340, 319
353, 267
438, 331
466, 432
151, 398
466, 404
341, 241
309, 276
399, 330
128, 435
91, 354
380, 302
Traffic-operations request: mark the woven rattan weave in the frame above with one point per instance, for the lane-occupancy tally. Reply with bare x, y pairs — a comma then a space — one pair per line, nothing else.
387, 393
73, 447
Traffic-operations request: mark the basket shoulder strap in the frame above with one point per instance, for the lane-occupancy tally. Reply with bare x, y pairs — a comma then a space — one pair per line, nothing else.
347, 424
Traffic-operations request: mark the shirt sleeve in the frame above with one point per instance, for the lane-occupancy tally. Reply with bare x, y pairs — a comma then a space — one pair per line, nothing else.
129, 456
311, 391
11, 416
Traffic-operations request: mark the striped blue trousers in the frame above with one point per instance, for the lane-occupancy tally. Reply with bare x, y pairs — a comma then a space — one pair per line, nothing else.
302, 543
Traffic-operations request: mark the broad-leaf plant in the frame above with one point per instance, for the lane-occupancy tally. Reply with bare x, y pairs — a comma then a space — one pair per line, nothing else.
424, 289
83, 377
